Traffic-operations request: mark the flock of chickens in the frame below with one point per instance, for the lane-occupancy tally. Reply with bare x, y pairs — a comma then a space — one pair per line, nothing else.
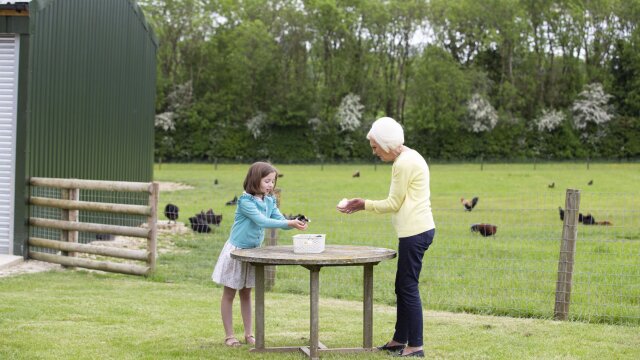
201, 222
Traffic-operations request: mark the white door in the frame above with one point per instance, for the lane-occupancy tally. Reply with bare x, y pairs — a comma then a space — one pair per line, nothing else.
9, 49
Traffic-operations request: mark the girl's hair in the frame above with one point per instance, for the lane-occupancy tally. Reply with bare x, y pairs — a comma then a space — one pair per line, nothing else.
256, 172
387, 133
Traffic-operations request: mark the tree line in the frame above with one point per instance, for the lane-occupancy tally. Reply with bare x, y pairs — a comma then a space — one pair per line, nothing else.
302, 80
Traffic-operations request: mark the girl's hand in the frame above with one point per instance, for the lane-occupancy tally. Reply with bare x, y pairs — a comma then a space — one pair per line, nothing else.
353, 205
298, 224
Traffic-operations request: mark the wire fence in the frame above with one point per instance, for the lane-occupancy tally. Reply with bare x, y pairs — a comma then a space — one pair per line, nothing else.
112, 197
513, 272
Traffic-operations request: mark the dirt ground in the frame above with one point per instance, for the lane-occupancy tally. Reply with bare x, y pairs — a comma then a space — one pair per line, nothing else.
170, 186
164, 246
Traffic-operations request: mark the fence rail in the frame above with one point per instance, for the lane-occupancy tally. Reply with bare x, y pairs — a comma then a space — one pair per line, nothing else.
69, 225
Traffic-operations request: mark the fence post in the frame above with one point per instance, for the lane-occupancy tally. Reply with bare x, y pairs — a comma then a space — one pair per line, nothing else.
272, 240
152, 219
74, 195
567, 254
64, 215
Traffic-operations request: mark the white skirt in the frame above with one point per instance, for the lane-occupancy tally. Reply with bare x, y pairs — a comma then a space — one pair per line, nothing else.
233, 273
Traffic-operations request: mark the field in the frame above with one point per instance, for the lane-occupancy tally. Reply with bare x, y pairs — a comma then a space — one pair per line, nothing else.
466, 277
513, 273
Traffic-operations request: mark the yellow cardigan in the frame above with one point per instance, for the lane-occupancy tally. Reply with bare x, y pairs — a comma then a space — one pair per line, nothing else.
409, 196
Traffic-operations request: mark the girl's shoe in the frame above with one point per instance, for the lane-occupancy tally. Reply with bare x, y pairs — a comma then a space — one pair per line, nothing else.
250, 339
232, 341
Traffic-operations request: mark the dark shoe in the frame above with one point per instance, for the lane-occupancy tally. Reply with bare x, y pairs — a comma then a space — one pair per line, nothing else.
392, 348
419, 353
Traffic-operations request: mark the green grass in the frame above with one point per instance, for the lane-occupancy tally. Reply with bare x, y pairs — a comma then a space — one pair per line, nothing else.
86, 315
513, 273
175, 312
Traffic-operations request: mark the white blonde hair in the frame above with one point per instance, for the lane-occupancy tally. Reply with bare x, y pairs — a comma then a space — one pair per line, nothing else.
387, 133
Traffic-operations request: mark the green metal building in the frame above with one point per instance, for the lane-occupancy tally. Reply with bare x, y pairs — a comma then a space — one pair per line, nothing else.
77, 99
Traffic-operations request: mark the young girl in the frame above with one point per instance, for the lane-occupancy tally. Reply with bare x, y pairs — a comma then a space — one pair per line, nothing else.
256, 210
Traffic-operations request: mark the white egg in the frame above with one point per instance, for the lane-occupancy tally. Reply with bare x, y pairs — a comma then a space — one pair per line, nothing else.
343, 203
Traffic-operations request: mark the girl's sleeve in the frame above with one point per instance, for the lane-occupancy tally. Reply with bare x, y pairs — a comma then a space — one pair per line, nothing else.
397, 192
276, 214
250, 210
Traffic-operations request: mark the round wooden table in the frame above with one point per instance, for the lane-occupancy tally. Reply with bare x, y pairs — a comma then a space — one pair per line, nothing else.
333, 255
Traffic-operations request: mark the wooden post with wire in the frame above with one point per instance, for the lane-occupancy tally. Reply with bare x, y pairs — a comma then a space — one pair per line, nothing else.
272, 240
567, 254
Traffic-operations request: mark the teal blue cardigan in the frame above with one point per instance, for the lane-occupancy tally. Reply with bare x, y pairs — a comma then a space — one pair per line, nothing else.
252, 216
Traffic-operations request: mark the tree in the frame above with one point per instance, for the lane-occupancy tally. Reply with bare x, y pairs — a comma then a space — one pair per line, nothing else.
591, 112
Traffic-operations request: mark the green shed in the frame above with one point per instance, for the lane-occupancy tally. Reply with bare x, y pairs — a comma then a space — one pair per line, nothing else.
77, 98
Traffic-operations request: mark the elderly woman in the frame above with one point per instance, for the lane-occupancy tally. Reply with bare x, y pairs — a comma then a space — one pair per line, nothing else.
410, 208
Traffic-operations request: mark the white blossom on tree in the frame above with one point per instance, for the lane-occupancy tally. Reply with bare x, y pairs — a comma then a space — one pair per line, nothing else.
549, 120
166, 121
256, 123
179, 99
315, 124
482, 115
591, 106
350, 112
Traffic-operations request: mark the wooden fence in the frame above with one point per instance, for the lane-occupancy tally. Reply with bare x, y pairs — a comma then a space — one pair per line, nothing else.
69, 225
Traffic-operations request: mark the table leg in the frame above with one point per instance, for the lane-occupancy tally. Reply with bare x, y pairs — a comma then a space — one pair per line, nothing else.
315, 295
367, 331
259, 307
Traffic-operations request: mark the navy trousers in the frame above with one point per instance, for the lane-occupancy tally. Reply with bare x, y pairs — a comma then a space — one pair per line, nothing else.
408, 305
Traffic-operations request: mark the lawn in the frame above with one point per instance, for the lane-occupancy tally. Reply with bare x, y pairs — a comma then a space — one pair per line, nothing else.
513, 273
87, 315
174, 313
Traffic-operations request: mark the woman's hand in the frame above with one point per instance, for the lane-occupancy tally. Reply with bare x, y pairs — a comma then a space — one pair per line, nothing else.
353, 205
298, 224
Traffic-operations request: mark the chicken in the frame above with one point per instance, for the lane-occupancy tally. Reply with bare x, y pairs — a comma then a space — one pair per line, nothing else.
171, 212
212, 218
356, 174
469, 204
484, 229
199, 224
590, 220
280, 175
552, 185
232, 202
590, 182
215, 182
300, 217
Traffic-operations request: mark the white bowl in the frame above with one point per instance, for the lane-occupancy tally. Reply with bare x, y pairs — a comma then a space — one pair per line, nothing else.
308, 243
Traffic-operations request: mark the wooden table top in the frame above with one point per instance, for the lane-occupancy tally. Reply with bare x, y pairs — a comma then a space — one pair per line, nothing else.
332, 255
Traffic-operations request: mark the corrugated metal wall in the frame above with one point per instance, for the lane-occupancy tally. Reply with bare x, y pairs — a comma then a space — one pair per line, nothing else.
91, 91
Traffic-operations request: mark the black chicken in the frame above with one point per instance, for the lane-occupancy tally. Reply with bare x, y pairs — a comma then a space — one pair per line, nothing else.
590, 220
199, 224
552, 185
233, 201
298, 217
212, 218
171, 212
590, 182
469, 204
356, 174
484, 229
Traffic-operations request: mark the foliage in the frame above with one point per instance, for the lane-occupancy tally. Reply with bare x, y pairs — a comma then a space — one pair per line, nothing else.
482, 116
423, 63
549, 120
